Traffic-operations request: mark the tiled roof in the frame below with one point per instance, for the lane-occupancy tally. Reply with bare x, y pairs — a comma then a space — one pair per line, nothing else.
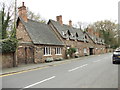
41, 33
68, 31
96, 40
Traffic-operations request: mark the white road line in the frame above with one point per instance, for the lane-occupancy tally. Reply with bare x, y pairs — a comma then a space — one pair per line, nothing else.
77, 68
38, 82
101, 59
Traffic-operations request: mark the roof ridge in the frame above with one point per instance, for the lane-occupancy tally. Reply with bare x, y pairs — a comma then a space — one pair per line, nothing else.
37, 21
63, 24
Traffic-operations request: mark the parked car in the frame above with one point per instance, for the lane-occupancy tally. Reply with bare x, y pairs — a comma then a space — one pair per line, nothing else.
116, 56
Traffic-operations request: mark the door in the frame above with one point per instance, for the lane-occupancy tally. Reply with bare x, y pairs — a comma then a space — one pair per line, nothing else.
91, 51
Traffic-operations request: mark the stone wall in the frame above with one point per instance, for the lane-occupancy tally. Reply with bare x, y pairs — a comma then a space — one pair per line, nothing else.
25, 54
22, 34
7, 60
39, 53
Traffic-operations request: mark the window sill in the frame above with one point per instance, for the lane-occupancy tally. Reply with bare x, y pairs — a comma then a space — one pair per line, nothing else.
47, 55
58, 54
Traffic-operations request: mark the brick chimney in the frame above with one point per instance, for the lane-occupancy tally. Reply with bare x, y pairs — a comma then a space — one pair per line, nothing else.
97, 34
23, 12
59, 19
90, 31
70, 23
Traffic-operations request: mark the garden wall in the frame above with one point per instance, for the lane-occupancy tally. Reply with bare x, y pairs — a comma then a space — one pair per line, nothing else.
7, 60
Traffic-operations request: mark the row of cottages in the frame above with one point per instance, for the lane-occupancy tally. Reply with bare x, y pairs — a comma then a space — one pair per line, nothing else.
86, 43
38, 41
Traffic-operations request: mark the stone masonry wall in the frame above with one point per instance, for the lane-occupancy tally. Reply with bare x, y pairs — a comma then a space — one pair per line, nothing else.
7, 60
22, 34
39, 53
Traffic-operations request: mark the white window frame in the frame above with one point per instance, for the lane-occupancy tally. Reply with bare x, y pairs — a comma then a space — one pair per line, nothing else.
68, 48
63, 32
77, 50
58, 51
85, 50
47, 51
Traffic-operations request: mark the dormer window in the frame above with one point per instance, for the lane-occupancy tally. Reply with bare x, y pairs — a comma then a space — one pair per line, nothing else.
92, 37
96, 39
63, 33
69, 33
76, 35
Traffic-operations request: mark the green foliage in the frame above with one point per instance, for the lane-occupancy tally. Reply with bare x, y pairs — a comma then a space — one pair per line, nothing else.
71, 51
9, 45
108, 31
5, 22
58, 59
50, 59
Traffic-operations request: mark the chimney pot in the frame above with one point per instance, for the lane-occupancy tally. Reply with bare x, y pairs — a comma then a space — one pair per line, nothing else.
70, 23
22, 3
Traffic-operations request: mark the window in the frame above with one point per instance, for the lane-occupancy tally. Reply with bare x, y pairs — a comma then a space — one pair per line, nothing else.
63, 33
76, 35
47, 50
58, 51
68, 47
85, 50
77, 51
69, 33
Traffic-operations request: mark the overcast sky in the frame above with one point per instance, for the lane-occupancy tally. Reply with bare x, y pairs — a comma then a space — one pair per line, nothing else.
76, 10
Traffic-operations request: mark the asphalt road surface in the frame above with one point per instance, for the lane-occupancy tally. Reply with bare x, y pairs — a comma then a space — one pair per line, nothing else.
88, 72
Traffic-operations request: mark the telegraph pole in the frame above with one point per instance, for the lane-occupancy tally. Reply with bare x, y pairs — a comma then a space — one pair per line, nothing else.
15, 62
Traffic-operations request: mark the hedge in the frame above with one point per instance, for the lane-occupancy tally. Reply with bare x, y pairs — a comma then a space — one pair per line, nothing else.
8, 45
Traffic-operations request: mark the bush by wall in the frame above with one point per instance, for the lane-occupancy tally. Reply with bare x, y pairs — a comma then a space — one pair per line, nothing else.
71, 51
8, 45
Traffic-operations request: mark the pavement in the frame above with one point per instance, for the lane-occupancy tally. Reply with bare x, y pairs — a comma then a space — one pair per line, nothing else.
27, 67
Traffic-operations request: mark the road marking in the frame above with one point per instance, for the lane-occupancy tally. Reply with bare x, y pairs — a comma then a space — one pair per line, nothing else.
23, 71
77, 68
38, 82
33, 69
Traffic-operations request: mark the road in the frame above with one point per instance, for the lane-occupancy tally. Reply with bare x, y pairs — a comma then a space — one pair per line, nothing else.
88, 72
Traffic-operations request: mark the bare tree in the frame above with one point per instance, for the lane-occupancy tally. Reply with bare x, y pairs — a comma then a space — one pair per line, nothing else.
36, 17
82, 25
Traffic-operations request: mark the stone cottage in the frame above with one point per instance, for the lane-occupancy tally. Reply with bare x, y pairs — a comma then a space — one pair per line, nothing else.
37, 41
99, 45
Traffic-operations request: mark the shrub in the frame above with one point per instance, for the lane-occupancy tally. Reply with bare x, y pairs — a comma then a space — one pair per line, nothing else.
71, 51
58, 59
9, 45
50, 59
